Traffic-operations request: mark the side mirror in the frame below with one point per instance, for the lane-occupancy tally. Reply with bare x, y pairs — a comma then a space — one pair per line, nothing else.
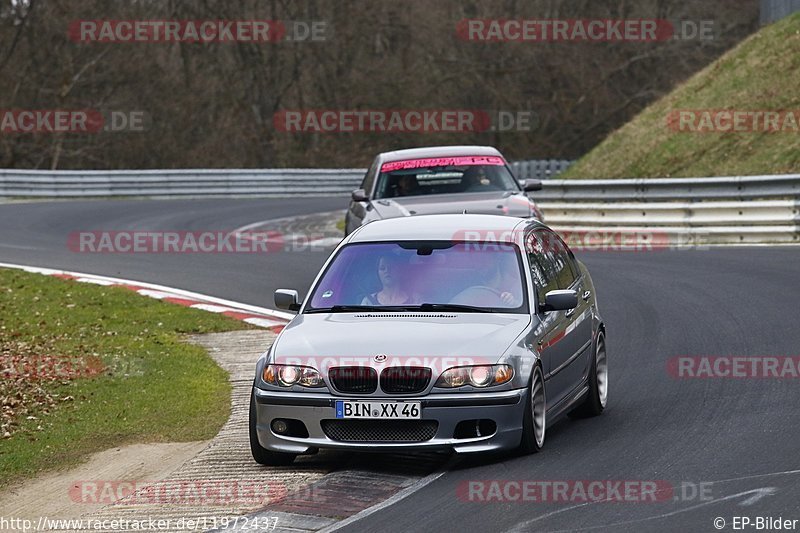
359, 195
531, 185
287, 299
560, 301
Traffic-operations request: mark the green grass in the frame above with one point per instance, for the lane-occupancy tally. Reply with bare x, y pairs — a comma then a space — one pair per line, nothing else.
341, 224
151, 385
761, 73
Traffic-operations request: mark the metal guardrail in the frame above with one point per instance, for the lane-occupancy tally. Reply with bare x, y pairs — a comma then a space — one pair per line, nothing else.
650, 190
681, 211
539, 169
209, 182
744, 209
690, 214
178, 183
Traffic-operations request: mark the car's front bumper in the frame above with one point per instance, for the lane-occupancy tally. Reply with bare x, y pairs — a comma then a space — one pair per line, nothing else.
504, 408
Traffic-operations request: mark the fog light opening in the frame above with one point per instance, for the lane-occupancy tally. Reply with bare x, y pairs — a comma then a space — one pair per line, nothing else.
486, 427
475, 428
289, 427
280, 427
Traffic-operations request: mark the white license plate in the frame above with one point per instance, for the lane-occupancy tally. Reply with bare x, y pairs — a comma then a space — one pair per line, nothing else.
386, 410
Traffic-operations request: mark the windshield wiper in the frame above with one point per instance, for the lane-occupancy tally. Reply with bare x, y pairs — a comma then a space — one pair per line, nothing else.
400, 308
454, 307
355, 308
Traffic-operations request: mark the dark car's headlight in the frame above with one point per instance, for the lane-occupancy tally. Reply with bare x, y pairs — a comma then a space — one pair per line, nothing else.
478, 376
290, 375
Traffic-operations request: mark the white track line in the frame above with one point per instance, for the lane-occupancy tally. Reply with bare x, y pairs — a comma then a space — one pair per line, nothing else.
242, 232
403, 494
159, 290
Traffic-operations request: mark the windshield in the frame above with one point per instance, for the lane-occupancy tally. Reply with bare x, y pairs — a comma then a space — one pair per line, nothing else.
423, 275
444, 175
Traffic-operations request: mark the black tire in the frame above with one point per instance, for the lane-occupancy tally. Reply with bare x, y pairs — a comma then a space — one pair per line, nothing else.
534, 422
261, 455
595, 403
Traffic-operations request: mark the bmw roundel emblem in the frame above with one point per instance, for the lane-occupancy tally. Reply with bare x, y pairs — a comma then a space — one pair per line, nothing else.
380, 358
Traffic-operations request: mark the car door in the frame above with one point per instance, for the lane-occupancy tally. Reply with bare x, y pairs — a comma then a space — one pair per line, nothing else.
551, 331
569, 371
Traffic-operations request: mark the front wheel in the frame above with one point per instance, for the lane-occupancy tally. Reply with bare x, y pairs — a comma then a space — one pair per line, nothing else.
595, 402
534, 422
261, 455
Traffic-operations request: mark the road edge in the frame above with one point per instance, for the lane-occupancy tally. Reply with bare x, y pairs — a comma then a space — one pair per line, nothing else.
262, 317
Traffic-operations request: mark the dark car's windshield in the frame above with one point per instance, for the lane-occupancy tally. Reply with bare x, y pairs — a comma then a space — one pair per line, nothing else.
424, 276
444, 175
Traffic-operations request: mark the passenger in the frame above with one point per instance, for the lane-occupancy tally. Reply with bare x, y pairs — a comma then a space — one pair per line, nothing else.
390, 274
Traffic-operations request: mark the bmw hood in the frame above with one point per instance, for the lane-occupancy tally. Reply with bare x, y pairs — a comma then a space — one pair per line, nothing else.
494, 203
358, 337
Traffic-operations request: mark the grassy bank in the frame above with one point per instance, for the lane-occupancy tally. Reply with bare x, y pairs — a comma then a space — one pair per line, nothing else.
86, 367
760, 74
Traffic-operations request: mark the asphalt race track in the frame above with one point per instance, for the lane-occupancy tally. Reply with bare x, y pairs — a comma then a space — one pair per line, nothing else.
36, 234
731, 445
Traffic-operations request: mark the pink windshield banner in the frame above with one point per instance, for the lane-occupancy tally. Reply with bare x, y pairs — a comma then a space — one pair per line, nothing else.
443, 162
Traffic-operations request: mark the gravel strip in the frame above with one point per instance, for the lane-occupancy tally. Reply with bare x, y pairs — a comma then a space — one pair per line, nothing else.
222, 480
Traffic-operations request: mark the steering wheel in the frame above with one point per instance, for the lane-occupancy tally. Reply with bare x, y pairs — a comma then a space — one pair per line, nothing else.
477, 295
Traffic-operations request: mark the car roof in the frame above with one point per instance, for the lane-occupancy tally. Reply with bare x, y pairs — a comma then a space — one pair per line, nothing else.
440, 228
438, 151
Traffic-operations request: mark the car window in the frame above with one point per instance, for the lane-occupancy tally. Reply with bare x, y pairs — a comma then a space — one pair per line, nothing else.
565, 272
542, 263
444, 175
573, 262
369, 177
484, 275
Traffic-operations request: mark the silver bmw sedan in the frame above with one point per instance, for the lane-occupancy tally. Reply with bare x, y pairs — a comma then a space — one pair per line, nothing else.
463, 332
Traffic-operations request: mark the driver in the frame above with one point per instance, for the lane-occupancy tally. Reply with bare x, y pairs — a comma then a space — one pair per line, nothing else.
496, 287
475, 179
498, 281
407, 186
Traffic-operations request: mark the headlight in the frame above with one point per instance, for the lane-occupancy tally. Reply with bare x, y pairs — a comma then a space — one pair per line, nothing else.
478, 376
289, 375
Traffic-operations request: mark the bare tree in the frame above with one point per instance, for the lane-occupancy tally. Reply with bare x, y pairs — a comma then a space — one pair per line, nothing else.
212, 104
